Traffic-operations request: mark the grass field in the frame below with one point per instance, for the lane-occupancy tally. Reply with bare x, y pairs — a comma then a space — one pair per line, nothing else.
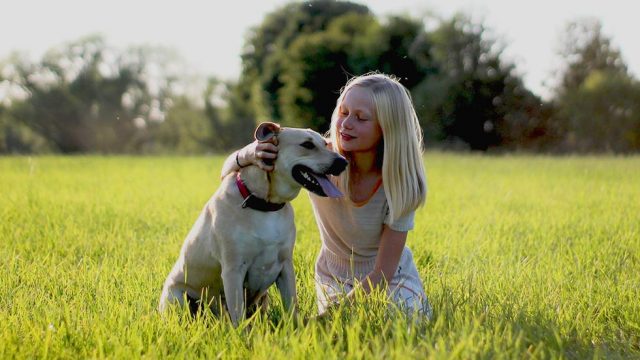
521, 256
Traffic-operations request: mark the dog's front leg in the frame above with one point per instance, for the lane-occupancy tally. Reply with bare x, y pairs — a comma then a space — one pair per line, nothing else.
232, 279
286, 283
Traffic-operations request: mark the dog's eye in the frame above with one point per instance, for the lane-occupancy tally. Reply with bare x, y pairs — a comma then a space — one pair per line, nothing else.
308, 145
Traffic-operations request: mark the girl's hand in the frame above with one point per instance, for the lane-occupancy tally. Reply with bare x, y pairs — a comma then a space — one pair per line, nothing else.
261, 154
327, 314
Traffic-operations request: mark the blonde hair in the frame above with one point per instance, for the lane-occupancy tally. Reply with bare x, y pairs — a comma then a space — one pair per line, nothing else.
403, 173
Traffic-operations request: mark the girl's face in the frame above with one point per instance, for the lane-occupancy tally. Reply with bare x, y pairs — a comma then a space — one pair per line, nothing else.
356, 123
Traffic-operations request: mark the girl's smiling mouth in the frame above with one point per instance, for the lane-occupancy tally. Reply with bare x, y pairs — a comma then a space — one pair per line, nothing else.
346, 137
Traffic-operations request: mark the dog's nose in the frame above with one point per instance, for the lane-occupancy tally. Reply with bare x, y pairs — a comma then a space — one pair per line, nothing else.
338, 166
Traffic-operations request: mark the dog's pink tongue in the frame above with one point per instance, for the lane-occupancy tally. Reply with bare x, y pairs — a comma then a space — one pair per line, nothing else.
328, 187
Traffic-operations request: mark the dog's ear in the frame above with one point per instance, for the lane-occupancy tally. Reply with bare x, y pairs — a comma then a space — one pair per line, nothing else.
266, 130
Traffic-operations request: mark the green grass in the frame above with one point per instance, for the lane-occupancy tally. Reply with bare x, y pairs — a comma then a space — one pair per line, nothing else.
521, 256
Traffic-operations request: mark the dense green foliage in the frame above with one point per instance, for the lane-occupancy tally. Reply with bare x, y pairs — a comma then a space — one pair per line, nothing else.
463, 92
522, 256
598, 101
86, 96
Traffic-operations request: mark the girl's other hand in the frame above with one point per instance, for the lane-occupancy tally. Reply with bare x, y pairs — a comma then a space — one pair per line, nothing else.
261, 154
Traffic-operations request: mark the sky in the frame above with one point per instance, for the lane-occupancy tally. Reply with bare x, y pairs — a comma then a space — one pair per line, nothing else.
209, 34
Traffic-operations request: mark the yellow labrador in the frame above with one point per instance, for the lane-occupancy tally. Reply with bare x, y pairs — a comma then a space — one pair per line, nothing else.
243, 240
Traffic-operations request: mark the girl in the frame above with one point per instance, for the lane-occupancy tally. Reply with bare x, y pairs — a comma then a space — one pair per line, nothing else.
375, 127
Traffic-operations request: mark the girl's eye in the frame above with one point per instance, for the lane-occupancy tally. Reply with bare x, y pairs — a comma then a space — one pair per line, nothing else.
308, 145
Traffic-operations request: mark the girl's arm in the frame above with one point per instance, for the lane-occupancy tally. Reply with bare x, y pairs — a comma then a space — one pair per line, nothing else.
391, 246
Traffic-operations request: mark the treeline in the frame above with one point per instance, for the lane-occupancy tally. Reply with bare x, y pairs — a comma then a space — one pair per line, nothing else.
89, 97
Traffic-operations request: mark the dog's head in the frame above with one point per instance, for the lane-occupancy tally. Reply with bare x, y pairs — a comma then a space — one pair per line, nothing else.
304, 157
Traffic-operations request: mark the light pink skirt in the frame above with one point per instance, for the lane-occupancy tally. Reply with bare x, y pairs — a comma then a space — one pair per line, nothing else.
335, 277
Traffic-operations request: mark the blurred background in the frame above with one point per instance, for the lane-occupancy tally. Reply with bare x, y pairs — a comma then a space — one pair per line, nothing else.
143, 77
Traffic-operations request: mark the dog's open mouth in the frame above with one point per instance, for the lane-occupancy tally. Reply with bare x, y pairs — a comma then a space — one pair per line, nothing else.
314, 182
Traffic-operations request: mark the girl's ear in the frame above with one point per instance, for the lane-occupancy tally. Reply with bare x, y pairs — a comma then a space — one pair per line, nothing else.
266, 131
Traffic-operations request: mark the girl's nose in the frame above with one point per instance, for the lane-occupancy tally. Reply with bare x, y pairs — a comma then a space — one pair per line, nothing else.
347, 123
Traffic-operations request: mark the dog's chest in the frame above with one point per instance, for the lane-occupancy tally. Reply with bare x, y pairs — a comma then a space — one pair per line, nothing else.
264, 269
270, 230
275, 234
270, 247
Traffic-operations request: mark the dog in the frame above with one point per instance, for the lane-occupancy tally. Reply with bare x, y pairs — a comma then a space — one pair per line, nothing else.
243, 240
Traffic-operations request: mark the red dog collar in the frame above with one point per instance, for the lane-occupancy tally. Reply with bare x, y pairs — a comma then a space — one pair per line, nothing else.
254, 202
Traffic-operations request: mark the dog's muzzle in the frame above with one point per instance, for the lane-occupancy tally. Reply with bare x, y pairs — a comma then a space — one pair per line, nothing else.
338, 166
319, 184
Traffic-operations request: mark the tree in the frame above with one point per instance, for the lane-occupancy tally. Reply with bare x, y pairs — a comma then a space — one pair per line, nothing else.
186, 130
396, 45
16, 138
85, 96
597, 100
462, 89
586, 49
268, 47
227, 105
473, 98
305, 72
317, 67
603, 114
